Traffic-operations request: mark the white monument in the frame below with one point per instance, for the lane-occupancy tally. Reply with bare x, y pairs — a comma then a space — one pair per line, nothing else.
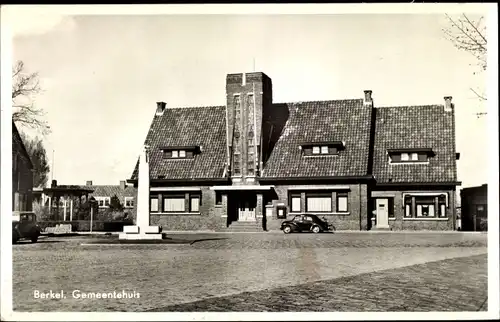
142, 230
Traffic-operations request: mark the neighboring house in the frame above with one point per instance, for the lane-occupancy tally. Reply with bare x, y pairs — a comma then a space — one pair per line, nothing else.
22, 175
103, 194
474, 208
253, 162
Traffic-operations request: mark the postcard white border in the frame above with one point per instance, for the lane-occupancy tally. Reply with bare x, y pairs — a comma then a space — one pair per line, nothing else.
10, 12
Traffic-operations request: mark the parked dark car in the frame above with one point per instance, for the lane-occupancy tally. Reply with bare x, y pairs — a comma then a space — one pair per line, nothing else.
310, 223
26, 227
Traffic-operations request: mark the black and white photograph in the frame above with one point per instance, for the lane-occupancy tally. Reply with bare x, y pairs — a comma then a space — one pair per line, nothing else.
249, 162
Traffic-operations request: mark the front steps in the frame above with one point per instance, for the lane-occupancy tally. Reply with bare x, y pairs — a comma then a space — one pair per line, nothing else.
245, 226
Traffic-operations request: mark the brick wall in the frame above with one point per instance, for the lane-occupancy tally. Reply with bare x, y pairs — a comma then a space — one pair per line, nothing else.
401, 223
209, 217
355, 219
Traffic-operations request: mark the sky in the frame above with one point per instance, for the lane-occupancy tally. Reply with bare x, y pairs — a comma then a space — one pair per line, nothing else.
103, 74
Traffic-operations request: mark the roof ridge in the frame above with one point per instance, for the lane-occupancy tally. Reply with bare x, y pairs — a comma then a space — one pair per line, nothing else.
323, 101
408, 106
193, 107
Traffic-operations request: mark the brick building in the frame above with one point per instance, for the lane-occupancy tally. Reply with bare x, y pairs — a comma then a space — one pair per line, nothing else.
474, 208
22, 175
103, 193
253, 162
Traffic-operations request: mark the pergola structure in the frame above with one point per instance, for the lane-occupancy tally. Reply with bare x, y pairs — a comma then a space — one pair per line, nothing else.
80, 194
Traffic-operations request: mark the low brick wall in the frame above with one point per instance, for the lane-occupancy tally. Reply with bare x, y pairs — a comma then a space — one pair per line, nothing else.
83, 225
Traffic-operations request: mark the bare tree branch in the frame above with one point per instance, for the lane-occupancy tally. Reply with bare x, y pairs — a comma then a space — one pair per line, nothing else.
25, 87
481, 97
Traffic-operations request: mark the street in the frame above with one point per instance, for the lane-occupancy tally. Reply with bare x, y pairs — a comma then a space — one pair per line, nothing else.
256, 272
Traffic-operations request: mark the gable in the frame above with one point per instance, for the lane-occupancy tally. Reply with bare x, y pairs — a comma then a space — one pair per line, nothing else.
346, 121
203, 127
410, 128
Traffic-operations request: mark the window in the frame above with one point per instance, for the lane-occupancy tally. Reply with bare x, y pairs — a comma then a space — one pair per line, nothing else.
408, 201
103, 202
297, 218
307, 218
342, 202
315, 150
324, 149
400, 157
194, 203
175, 154
237, 164
442, 205
430, 206
295, 202
129, 202
182, 153
218, 198
153, 204
319, 202
174, 203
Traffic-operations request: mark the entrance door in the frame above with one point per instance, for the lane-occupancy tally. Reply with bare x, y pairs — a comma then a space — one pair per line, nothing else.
246, 211
382, 213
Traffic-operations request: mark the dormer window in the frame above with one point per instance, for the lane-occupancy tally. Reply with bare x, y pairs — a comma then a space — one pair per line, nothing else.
321, 148
184, 152
410, 155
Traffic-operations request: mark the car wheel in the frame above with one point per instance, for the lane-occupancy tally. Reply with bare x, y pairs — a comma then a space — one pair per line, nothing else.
316, 229
287, 229
34, 238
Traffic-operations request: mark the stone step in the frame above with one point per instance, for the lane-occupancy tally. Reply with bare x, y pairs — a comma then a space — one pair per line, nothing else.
245, 226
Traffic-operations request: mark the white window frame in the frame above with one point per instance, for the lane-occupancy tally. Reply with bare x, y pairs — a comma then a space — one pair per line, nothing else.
103, 199
175, 154
126, 199
324, 149
405, 157
316, 150
191, 199
151, 208
177, 202
321, 200
414, 156
294, 204
339, 209
182, 153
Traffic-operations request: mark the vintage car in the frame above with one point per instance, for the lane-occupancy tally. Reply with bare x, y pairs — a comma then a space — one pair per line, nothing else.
309, 223
26, 227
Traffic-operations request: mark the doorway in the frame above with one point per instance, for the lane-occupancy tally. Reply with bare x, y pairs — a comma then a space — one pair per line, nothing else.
382, 212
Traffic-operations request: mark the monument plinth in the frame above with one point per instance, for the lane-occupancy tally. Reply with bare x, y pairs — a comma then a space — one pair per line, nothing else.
142, 230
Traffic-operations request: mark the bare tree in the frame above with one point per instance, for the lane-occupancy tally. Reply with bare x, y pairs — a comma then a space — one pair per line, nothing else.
25, 86
469, 35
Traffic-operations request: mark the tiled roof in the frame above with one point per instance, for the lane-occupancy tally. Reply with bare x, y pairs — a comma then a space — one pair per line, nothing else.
111, 190
190, 126
340, 120
415, 127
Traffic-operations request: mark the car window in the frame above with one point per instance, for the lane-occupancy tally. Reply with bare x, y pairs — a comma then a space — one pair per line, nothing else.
297, 218
307, 218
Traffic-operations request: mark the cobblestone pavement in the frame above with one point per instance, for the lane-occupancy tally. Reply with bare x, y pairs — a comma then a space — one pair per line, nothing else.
458, 284
215, 265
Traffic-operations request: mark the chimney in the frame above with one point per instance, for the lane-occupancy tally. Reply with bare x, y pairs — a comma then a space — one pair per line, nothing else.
54, 183
123, 184
160, 108
368, 101
88, 183
448, 105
